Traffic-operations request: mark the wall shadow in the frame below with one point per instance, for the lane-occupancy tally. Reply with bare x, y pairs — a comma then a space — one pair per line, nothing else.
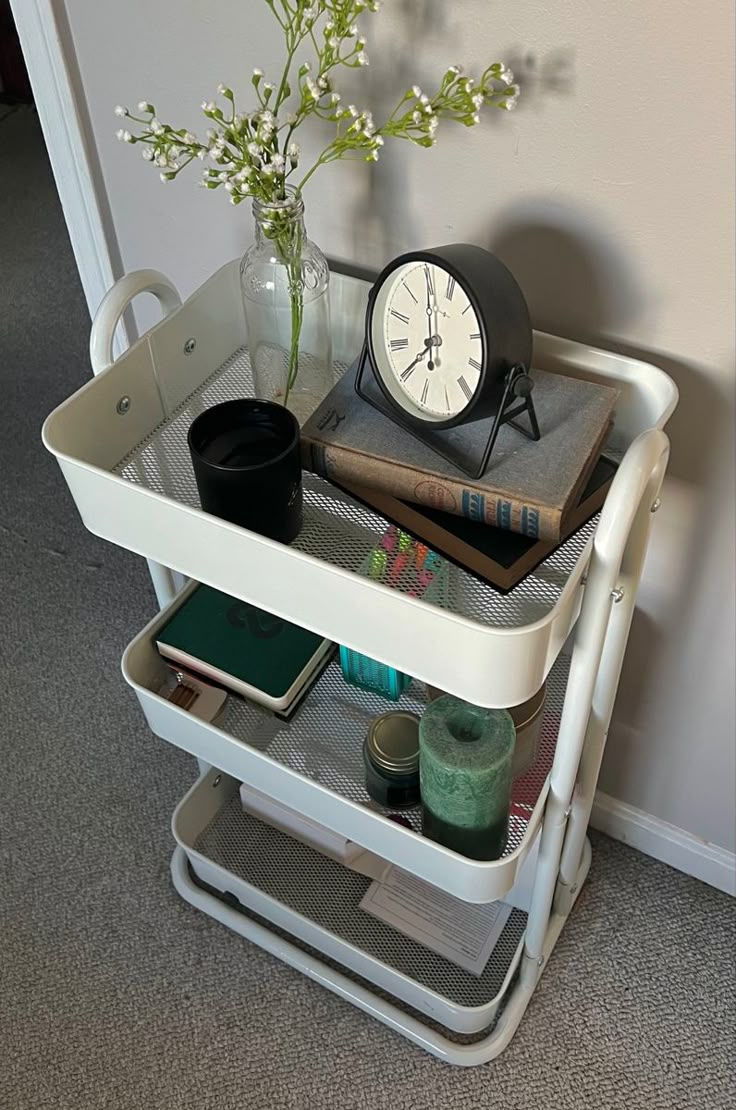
580, 284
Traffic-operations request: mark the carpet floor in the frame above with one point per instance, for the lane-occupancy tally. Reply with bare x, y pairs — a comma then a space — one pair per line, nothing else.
116, 994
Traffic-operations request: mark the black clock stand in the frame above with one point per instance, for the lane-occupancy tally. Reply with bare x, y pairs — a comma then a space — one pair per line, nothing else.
467, 446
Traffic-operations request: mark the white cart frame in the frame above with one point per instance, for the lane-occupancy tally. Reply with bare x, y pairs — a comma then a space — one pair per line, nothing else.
499, 660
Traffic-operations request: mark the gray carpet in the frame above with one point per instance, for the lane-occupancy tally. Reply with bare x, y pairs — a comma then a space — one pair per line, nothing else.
113, 992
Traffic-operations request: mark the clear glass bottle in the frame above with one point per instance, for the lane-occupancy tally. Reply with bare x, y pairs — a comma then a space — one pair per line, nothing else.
285, 282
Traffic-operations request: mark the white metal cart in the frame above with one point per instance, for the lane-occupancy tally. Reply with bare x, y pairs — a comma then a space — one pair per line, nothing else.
121, 444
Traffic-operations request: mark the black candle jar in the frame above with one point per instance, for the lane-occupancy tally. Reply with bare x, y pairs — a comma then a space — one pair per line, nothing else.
247, 464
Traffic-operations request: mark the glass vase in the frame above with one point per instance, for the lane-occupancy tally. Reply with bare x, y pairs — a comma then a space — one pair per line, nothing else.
285, 282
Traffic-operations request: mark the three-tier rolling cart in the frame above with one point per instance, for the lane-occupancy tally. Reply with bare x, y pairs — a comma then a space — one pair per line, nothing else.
121, 444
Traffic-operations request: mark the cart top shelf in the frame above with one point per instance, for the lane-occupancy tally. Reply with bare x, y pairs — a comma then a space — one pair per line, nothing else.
128, 468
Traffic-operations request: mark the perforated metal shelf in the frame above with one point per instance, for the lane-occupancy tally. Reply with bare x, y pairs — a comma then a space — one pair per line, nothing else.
329, 895
324, 740
337, 529
232, 902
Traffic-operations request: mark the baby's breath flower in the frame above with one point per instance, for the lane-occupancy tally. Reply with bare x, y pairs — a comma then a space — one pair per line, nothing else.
250, 156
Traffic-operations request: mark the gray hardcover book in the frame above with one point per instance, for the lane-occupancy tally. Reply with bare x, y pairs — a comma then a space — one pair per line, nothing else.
528, 486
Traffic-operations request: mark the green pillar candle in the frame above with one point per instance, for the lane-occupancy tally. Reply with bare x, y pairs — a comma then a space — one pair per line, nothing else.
465, 757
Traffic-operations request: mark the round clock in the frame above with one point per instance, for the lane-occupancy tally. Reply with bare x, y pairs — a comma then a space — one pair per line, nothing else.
446, 330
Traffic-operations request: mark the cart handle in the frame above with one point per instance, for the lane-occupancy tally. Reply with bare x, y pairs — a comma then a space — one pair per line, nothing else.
114, 304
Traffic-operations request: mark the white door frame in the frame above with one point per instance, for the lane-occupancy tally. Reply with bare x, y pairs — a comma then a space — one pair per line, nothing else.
70, 147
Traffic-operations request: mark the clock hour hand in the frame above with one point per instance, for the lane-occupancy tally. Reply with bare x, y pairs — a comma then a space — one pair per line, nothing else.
410, 368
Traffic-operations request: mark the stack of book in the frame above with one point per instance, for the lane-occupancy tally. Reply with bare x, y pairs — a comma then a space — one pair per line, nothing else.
532, 496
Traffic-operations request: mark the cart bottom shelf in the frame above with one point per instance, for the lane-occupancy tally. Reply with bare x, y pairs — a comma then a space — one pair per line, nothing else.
318, 900
464, 1050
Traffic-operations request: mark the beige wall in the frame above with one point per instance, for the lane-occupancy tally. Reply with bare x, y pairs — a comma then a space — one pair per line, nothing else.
610, 195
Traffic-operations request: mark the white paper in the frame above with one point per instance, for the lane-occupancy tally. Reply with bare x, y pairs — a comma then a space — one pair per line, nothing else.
462, 932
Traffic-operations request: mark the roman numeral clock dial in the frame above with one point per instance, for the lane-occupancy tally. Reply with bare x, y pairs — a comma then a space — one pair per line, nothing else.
427, 341
448, 352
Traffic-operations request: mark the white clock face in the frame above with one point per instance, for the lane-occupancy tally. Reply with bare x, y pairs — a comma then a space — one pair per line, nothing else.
427, 341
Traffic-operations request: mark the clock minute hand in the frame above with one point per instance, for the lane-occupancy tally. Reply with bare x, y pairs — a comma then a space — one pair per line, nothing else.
430, 337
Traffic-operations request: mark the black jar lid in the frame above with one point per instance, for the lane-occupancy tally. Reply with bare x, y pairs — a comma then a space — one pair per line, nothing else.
392, 744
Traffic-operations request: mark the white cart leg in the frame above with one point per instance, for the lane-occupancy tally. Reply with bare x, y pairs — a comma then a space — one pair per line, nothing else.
606, 685
619, 546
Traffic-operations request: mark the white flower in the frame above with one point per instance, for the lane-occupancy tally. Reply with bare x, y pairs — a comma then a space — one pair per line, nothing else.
424, 99
254, 150
124, 136
230, 186
478, 100
312, 89
258, 73
156, 127
433, 124
417, 117
510, 104
224, 90
294, 150
506, 75
476, 118
353, 111
455, 70
322, 82
335, 98
202, 154
166, 177
268, 87
208, 107
144, 106
417, 91
352, 30
148, 154
373, 156
121, 110
222, 175
268, 170
189, 137
292, 118
378, 140
278, 162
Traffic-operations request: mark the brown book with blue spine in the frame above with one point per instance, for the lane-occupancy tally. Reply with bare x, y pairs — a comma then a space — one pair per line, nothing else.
528, 488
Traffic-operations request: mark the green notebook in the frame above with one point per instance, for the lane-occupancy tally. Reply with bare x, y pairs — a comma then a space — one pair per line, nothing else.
255, 653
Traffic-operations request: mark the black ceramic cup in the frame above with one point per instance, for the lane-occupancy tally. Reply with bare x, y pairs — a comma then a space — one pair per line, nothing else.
247, 464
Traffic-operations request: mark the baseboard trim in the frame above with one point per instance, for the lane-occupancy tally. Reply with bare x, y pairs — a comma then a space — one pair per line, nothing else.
680, 849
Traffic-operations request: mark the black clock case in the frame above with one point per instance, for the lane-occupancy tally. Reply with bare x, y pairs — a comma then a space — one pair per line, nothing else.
506, 338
